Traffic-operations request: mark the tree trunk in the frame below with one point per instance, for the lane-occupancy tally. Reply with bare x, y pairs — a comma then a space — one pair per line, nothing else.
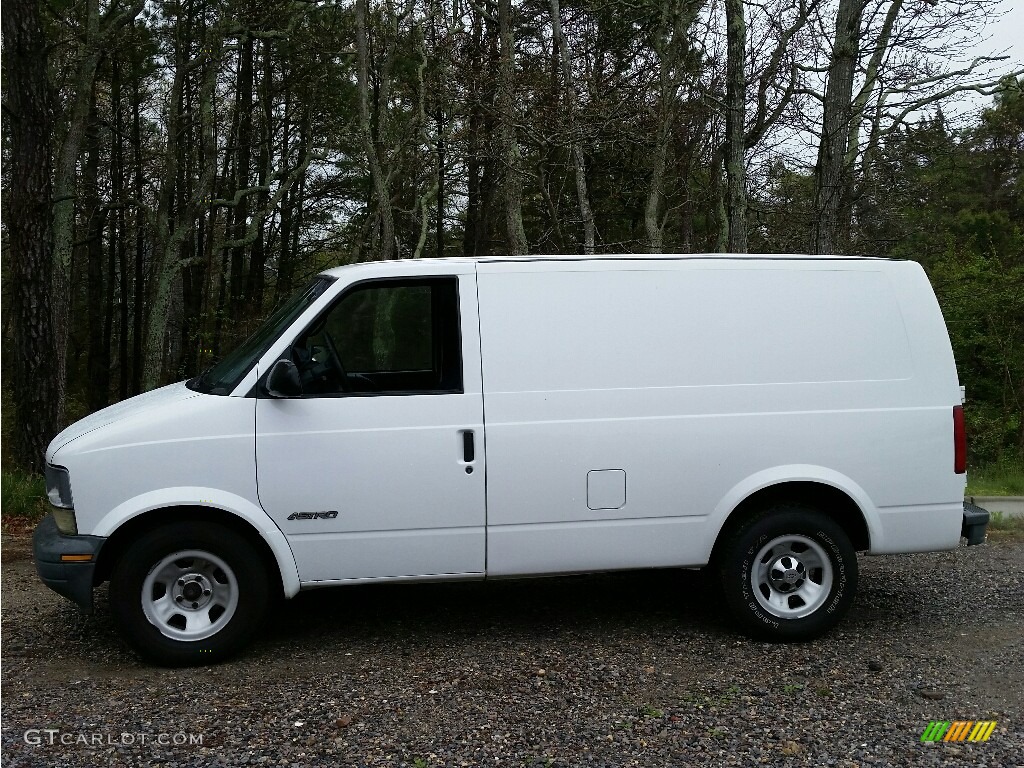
98, 354
117, 266
881, 48
554, 220
256, 279
832, 175
95, 37
192, 282
110, 282
65, 177
575, 148
472, 233
170, 235
291, 217
512, 161
656, 191
439, 203
243, 162
425, 201
38, 388
735, 120
383, 245
139, 302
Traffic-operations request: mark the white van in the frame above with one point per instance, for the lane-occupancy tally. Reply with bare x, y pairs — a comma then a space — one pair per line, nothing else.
498, 417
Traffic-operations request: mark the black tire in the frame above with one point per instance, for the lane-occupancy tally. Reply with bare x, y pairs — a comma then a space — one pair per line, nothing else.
780, 594
189, 593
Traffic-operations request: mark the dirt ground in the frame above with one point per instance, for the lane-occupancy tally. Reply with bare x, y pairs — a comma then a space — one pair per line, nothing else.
616, 669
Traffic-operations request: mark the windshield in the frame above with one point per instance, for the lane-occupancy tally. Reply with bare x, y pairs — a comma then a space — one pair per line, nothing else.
224, 376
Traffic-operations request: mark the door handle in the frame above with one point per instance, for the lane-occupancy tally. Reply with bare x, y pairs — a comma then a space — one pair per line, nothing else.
468, 447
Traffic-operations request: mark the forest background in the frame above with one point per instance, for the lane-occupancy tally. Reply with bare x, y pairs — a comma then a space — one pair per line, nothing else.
173, 170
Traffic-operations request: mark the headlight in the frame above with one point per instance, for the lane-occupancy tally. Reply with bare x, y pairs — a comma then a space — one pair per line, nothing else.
58, 487
66, 522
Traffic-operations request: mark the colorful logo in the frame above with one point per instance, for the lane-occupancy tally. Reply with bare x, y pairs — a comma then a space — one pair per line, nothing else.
958, 730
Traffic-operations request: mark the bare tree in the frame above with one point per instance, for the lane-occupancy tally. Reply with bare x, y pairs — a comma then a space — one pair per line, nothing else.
38, 390
511, 158
735, 124
670, 42
833, 180
575, 147
96, 35
383, 238
774, 79
173, 223
889, 60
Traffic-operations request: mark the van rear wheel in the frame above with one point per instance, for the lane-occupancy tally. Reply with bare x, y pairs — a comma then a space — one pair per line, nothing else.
188, 593
788, 574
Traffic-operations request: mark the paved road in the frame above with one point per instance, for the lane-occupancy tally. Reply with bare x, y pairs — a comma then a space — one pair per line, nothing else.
1008, 505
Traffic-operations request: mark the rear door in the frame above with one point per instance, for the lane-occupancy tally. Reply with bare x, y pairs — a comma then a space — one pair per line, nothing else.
376, 471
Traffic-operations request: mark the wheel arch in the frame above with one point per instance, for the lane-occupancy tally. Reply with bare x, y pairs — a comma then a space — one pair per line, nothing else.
273, 550
839, 503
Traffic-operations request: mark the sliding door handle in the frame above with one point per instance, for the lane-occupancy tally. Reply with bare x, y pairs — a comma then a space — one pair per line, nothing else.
468, 447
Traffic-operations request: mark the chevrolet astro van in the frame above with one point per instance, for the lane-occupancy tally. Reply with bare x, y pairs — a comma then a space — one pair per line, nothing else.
766, 417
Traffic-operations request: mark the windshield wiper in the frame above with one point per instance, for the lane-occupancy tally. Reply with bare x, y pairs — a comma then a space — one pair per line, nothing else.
197, 382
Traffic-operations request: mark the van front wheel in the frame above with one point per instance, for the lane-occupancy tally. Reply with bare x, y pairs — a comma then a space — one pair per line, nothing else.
188, 593
788, 574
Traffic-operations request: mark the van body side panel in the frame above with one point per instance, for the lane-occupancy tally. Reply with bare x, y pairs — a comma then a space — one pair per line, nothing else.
375, 486
918, 528
690, 377
171, 448
203, 442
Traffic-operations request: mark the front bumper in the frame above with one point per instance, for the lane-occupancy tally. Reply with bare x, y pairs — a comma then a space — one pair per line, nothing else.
975, 522
73, 580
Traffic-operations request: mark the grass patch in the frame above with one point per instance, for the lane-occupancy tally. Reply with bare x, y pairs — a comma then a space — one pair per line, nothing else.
23, 500
1003, 479
1006, 523
648, 711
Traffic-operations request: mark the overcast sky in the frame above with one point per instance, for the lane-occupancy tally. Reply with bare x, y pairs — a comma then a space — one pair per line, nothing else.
1005, 37
1007, 32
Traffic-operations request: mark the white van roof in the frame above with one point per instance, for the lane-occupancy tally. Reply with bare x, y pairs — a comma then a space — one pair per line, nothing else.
336, 271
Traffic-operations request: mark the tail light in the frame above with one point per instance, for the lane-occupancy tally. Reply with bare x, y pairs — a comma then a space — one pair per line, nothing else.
959, 440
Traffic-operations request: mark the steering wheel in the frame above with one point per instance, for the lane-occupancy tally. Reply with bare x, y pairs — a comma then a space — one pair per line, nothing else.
334, 359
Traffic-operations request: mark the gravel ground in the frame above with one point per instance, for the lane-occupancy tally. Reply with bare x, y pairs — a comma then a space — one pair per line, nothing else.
611, 670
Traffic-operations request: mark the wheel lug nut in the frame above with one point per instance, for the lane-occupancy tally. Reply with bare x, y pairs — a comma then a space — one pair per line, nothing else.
195, 605
206, 592
179, 598
181, 582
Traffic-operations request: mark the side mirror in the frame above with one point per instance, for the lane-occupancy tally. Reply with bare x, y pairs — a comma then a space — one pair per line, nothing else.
283, 380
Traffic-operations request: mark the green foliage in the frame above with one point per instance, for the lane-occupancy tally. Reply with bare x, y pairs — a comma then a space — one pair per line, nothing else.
782, 215
951, 199
982, 298
1000, 523
23, 495
1003, 479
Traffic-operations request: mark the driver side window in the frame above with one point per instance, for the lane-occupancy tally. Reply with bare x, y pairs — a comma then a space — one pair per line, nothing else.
385, 337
